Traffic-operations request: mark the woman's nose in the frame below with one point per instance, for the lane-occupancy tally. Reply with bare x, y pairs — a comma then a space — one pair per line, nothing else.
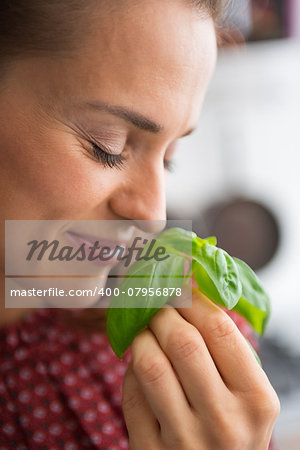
142, 198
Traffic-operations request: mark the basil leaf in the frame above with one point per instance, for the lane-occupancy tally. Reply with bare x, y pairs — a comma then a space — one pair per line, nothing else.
205, 283
212, 240
178, 239
254, 303
217, 275
225, 280
124, 320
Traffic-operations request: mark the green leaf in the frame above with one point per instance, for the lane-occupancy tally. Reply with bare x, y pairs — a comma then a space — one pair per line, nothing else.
212, 240
254, 303
124, 319
205, 283
225, 280
217, 275
177, 239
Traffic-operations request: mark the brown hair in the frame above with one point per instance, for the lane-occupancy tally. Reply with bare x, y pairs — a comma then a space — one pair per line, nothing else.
38, 26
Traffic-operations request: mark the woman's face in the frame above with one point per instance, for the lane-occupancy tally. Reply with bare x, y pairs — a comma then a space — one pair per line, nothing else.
90, 136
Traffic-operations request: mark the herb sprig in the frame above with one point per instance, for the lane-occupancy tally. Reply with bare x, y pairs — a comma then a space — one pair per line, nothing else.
225, 280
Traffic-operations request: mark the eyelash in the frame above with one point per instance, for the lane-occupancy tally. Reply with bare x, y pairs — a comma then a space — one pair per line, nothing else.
117, 161
107, 159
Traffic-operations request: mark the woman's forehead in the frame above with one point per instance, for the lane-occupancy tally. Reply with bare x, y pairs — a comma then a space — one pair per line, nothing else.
157, 61
166, 34
161, 53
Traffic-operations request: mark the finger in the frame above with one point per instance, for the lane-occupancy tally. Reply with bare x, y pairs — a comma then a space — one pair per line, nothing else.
139, 418
227, 346
159, 382
187, 351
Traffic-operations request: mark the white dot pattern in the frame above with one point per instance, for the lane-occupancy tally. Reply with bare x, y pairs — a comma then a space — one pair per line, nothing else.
59, 388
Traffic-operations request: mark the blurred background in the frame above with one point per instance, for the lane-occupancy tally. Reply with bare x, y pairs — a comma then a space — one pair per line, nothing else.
238, 176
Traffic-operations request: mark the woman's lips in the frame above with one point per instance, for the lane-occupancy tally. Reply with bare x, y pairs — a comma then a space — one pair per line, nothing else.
117, 249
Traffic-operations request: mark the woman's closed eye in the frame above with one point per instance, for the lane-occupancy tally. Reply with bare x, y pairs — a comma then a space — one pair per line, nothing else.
106, 158
116, 161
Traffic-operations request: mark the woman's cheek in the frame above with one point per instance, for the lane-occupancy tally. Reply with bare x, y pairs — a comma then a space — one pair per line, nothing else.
75, 186
61, 180
44, 167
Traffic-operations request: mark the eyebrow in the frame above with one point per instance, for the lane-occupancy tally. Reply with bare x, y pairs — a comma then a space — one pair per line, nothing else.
133, 117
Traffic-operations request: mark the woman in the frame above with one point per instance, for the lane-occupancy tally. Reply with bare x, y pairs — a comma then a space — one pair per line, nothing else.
93, 97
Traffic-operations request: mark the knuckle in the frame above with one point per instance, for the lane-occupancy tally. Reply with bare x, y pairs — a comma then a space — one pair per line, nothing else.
231, 438
268, 405
183, 438
222, 432
220, 415
151, 369
232, 441
220, 326
177, 441
236, 440
184, 342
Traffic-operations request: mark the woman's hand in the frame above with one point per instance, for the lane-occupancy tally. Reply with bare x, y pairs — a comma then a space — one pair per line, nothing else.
194, 384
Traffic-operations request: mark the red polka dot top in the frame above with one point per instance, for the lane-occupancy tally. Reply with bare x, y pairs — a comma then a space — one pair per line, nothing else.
61, 388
